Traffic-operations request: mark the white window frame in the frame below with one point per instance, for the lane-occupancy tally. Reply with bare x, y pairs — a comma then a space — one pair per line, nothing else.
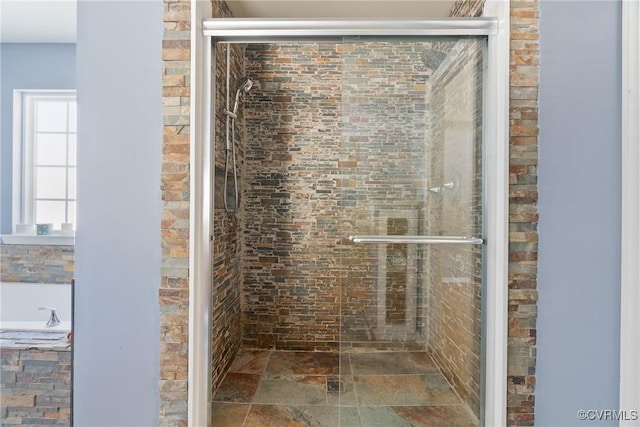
23, 200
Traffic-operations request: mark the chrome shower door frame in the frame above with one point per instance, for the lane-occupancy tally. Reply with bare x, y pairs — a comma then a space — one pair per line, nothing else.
208, 32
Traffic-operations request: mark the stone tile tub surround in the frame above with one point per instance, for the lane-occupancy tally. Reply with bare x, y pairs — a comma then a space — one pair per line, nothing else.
35, 367
35, 386
35, 360
37, 263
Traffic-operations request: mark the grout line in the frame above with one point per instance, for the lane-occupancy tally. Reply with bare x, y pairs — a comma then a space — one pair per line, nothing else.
326, 392
355, 391
246, 416
251, 403
262, 375
462, 401
264, 370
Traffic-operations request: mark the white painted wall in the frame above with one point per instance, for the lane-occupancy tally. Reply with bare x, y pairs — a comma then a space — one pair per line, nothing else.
118, 254
580, 199
21, 301
26, 66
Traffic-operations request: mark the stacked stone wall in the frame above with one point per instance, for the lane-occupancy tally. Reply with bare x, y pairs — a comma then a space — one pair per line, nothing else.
174, 286
336, 140
35, 387
37, 263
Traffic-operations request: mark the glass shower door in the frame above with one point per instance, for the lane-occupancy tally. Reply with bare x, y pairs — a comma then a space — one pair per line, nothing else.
412, 205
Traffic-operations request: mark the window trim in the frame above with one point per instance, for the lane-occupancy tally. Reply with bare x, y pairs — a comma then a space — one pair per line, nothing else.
22, 188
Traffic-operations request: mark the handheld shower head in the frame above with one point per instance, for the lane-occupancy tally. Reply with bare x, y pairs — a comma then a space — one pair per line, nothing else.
244, 87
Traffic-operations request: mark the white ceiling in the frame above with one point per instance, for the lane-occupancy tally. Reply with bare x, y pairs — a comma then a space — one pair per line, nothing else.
54, 21
38, 21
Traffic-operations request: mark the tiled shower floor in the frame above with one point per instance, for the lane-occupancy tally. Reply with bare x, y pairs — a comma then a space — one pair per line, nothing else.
289, 389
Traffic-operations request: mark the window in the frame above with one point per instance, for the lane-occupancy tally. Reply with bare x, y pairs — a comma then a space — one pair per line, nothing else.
44, 157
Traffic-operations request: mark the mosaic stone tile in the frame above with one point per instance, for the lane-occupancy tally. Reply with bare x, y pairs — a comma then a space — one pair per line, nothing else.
345, 364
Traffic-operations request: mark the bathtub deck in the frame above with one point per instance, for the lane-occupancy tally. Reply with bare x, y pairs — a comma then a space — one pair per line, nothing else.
22, 340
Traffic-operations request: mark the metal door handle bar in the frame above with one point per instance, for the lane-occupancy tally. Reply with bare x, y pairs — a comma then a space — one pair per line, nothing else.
453, 240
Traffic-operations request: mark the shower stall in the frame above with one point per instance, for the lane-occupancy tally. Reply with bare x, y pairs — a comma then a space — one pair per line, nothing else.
349, 214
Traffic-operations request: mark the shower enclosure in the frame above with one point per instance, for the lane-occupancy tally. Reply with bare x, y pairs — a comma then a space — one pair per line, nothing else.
360, 211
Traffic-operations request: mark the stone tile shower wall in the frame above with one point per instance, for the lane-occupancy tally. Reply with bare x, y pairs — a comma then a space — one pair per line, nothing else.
322, 165
384, 150
454, 317
226, 331
336, 137
291, 276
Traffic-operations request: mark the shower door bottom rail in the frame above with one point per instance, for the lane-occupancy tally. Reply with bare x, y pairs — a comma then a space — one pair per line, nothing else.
450, 240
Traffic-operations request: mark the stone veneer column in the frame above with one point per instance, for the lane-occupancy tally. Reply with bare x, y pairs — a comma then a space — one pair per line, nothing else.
37, 263
523, 211
174, 289
523, 207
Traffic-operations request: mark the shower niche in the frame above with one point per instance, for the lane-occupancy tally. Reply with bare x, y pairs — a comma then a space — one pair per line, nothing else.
343, 140
396, 283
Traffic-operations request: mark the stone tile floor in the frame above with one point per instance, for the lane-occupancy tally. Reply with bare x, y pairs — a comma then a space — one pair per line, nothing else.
266, 388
